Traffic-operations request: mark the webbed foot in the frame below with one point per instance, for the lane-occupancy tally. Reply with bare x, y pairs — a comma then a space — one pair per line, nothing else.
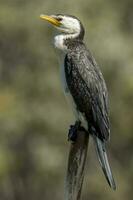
72, 135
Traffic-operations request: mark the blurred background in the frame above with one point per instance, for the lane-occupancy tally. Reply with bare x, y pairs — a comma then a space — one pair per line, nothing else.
34, 116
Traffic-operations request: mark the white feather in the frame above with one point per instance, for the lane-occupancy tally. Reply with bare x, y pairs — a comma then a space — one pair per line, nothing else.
78, 115
70, 28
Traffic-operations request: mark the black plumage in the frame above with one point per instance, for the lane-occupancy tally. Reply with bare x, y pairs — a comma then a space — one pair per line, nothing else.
87, 86
83, 80
88, 89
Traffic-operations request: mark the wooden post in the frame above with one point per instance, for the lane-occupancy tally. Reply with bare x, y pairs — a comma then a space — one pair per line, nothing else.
76, 165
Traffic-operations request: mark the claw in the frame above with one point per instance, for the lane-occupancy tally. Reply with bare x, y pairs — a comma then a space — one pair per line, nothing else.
72, 135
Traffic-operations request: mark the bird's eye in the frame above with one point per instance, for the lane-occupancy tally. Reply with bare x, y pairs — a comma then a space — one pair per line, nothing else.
59, 19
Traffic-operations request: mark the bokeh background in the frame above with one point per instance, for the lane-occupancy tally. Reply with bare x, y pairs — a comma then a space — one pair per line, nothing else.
34, 116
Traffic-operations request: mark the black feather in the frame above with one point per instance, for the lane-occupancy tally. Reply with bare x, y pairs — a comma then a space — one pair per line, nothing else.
88, 89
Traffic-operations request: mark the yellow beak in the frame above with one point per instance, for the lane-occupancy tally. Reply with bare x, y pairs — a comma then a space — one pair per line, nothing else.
50, 19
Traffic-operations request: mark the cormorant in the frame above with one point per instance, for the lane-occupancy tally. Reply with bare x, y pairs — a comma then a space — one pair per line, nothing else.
84, 84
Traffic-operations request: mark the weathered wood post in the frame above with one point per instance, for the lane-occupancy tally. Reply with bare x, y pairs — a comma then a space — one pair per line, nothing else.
76, 165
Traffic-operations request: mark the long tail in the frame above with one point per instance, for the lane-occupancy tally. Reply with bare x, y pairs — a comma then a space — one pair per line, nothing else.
102, 156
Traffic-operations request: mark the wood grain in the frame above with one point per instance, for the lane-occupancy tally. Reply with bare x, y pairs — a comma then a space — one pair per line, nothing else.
76, 165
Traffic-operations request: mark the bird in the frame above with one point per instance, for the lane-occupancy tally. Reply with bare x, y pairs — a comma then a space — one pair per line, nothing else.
84, 85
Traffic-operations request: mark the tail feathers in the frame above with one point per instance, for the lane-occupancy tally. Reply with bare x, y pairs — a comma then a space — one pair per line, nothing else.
102, 156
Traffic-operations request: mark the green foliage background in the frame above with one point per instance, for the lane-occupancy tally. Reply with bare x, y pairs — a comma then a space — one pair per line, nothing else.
34, 116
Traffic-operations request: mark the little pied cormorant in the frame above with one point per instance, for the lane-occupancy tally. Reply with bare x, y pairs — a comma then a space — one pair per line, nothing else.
84, 84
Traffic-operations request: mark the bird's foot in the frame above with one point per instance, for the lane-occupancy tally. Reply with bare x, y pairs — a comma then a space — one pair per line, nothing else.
72, 135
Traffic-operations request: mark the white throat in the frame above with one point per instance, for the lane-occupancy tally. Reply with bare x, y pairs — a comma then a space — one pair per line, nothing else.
59, 40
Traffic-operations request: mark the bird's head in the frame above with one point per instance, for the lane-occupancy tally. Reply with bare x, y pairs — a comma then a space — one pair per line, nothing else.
67, 24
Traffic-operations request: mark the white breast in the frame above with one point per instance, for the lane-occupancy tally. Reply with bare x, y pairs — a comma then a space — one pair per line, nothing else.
78, 115
59, 42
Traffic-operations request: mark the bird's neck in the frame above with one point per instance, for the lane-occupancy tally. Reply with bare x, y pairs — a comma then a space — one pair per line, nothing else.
64, 42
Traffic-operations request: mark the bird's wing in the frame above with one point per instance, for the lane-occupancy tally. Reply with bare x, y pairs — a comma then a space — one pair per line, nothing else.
99, 96
89, 89
89, 92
